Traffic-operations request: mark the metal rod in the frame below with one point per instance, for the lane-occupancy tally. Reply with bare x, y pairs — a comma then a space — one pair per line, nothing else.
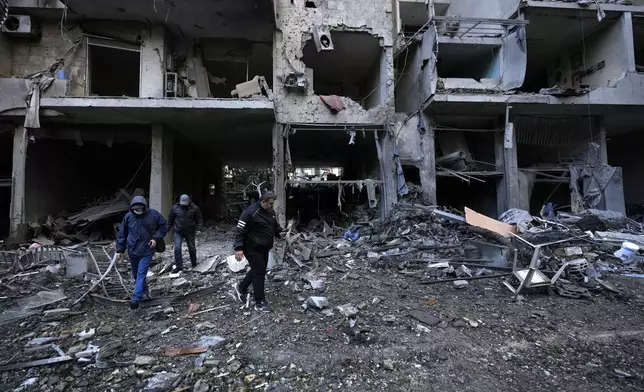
467, 278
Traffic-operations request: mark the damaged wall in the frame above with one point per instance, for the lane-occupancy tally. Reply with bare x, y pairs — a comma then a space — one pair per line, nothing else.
417, 78
56, 43
6, 56
294, 24
608, 57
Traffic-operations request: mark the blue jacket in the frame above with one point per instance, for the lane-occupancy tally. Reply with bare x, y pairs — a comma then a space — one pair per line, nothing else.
137, 230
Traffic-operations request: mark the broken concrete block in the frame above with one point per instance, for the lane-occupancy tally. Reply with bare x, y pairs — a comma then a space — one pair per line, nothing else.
210, 341
180, 283
461, 284
347, 310
144, 360
425, 318
207, 266
161, 382
463, 272
318, 302
56, 314
390, 318
105, 329
573, 251
316, 284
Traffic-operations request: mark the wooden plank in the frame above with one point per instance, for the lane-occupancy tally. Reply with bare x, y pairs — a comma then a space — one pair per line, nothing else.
479, 220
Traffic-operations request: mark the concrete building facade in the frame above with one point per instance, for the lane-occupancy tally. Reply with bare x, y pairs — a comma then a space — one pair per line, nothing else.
496, 105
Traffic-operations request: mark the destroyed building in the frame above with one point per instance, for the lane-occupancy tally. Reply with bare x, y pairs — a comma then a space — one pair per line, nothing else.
491, 106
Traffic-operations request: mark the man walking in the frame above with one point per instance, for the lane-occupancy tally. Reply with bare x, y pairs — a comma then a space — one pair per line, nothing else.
256, 229
141, 229
185, 218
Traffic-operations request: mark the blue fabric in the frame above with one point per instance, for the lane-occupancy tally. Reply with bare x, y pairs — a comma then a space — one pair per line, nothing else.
140, 267
137, 230
353, 233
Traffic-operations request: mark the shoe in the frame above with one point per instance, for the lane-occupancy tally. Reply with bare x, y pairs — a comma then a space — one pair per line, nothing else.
262, 306
134, 305
194, 264
176, 269
241, 295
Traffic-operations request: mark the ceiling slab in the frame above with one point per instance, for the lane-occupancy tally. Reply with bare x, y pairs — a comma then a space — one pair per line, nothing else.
250, 19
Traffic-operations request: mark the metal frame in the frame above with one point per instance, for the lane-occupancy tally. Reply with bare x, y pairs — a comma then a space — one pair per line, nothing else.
531, 277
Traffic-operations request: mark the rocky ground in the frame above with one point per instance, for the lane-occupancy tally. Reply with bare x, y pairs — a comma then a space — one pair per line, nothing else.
473, 339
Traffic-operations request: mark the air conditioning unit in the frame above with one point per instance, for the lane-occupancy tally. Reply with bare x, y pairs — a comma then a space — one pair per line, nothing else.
20, 26
322, 38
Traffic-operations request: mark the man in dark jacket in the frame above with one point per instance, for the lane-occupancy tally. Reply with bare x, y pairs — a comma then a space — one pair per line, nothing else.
141, 229
256, 229
185, 218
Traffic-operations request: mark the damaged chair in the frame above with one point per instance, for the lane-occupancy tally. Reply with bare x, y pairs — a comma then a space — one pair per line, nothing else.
531, 277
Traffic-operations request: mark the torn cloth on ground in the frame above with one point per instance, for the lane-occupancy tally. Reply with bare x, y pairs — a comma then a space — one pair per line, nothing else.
371, 193
36, 85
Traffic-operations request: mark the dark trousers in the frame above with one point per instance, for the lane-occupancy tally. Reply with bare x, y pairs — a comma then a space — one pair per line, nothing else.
192, 249
139, 273
258, 260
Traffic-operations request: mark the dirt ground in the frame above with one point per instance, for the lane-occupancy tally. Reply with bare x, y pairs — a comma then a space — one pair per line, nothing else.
537, 342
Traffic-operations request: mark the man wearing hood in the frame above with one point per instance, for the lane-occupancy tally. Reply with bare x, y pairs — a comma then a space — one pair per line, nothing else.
185, 219
141, 229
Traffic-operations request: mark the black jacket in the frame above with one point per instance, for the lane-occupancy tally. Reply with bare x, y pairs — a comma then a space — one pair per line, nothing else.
256, 229
185, 220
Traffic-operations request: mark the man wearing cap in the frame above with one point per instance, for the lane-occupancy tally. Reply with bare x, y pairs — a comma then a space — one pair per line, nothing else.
256, 229
141, 229
185, 219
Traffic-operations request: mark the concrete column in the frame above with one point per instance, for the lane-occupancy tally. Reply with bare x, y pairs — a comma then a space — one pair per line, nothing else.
152, 80
389, 192
161, 174
626, 24
17, 209
499, 160
428, 163
603, 148
279, 173
511, 167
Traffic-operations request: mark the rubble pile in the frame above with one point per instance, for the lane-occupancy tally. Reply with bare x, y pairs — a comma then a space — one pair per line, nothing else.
344, 298
102, 215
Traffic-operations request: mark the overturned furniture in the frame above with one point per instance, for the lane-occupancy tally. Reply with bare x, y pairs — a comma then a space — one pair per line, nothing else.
531, 277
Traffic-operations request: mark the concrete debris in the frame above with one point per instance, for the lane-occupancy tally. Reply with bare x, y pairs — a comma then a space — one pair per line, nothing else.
317, 302
388, 258
56, 314
425, 318
210, 341
161, 382
461, 284
207, 266
347, 310
144, 360
180, 283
